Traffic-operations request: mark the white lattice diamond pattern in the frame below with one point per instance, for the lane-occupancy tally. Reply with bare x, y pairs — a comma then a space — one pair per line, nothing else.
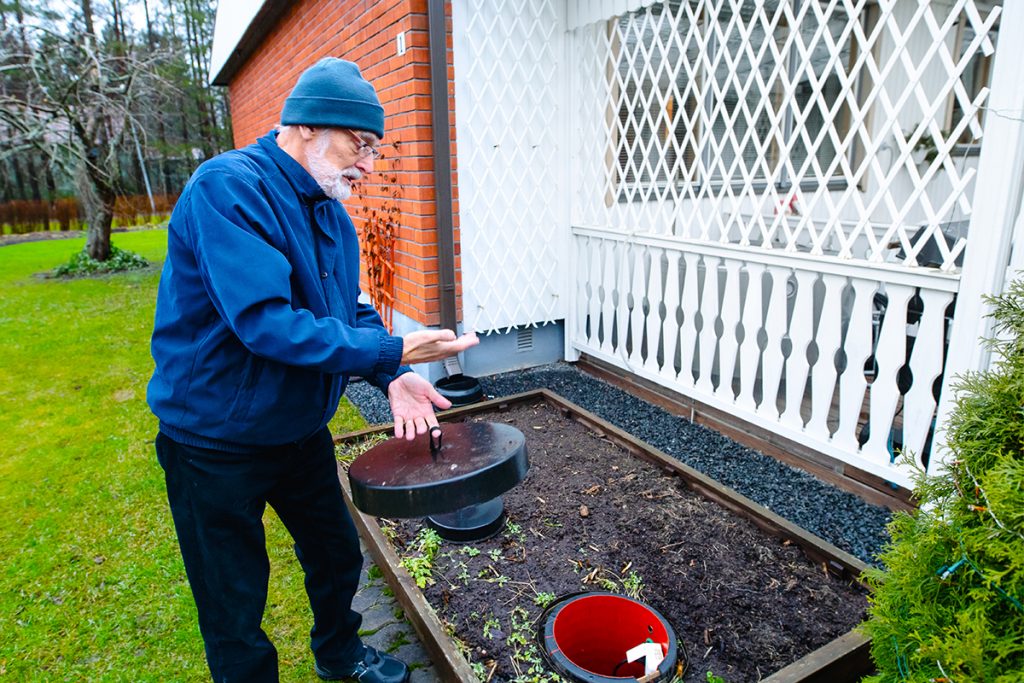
509, 124
788, 124
752, 222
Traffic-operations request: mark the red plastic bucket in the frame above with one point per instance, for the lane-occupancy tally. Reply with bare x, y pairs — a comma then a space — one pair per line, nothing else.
586, 637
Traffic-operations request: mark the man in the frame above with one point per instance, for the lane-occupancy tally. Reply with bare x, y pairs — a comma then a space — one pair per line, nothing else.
258, 329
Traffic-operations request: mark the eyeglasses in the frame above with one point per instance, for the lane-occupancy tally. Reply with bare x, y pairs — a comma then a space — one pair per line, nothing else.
365, 150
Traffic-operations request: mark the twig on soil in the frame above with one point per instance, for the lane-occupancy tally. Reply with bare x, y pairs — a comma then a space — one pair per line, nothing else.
520, 592
515, 666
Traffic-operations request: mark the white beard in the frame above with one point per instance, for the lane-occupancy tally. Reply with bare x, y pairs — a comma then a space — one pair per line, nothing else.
329, 177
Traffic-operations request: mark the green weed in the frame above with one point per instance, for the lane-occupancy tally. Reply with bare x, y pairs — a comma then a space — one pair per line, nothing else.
633, 585
490, 626
542, 599
421, 565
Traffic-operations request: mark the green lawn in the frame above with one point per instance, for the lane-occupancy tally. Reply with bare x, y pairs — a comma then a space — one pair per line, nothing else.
92, 587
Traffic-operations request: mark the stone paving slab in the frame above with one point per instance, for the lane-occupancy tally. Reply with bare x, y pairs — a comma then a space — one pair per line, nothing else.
386, 628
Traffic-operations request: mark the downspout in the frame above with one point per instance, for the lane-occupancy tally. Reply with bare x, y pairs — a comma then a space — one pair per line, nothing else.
438, 36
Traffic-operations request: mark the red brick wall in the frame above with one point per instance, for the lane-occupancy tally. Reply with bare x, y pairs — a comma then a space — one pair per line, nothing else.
365, 32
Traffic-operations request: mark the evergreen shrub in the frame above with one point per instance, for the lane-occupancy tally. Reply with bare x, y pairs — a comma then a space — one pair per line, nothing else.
949, 605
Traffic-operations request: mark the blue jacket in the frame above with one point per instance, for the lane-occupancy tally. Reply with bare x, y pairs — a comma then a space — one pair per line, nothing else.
258, 325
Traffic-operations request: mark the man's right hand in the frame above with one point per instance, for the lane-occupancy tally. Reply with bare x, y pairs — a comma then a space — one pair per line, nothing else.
424, 346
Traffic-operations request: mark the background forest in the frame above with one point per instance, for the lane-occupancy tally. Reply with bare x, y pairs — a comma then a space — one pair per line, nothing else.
105, 110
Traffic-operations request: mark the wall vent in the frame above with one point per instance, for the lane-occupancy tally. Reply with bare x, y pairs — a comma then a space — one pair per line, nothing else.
524, 340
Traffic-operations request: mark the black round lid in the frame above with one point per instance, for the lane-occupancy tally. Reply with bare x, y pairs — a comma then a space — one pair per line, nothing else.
475, 462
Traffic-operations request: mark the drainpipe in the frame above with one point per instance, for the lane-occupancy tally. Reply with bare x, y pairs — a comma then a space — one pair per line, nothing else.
437, 33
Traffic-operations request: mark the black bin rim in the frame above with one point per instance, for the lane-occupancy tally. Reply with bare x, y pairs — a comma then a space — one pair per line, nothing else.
460, 389
670, 666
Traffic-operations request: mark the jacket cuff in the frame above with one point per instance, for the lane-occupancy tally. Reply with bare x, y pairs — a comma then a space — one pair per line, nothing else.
388, 362
390, 356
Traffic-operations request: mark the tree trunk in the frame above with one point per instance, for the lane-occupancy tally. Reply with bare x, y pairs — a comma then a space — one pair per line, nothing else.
33, 178
19, 177
97, 239
51, 194
87, 17
98, 201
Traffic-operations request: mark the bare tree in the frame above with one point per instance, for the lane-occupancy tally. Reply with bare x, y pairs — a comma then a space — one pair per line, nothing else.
79, 107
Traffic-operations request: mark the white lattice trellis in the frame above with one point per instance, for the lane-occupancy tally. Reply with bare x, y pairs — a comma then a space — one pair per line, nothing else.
790, 124
510, 130
770, 205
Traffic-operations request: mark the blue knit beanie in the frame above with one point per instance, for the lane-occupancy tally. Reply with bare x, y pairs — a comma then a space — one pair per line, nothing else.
333, 93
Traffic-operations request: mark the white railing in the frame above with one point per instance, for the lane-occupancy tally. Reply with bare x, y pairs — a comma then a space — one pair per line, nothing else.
840, 356
819, 157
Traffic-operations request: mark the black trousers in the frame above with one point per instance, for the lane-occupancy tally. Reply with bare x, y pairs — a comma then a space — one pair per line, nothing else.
217, 500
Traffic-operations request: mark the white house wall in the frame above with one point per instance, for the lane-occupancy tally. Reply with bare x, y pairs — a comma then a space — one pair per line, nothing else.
510, 127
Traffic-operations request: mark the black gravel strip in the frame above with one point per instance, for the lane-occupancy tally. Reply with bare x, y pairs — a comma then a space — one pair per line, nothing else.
839, 517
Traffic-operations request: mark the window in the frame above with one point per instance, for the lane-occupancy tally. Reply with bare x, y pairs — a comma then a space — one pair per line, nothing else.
657, 96
705, 94
976, 75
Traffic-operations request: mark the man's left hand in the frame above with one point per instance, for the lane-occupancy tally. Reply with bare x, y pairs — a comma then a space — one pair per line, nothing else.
412, 403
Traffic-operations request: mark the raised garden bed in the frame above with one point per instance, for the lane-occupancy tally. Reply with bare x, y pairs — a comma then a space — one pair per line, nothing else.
749, 595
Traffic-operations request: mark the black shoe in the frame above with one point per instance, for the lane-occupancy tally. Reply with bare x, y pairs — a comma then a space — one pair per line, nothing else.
376, 667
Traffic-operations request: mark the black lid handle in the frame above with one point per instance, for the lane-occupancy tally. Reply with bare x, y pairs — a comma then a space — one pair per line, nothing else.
435, 441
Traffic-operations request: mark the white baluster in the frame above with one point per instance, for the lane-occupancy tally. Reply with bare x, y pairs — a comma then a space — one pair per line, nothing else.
775, 326
858, 348
637, 289
672, 298
890, 355
728, 346
609, 274
823, 375
801, 328
925, 366
750, 352
597, 249
709, 312
688, 333
582, 304
655, 295
625, 251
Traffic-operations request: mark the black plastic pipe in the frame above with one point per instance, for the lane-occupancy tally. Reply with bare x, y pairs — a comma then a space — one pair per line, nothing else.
442, 143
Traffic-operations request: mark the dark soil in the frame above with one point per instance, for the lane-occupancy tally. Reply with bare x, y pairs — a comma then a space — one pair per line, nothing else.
743, 604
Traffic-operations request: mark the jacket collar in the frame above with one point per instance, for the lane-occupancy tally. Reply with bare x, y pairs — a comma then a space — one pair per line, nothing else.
299, 178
